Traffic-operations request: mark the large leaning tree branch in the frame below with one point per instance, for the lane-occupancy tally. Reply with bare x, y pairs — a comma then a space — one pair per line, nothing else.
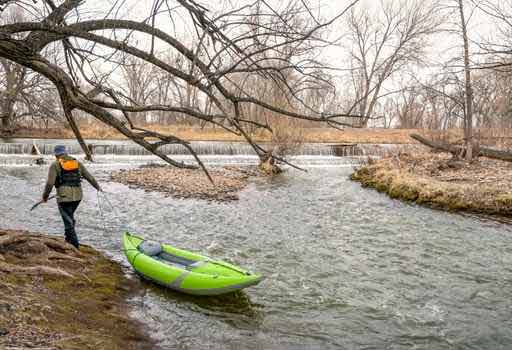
216, 52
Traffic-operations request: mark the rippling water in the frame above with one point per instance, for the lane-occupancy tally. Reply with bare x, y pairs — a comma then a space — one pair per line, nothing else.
346, 267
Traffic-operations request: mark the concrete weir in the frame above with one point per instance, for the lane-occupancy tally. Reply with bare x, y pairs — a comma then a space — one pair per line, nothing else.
126, 148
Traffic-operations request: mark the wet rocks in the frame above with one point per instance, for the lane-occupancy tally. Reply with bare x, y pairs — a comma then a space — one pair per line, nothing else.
186, 183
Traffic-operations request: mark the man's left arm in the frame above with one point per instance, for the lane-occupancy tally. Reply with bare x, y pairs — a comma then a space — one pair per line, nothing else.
86, 175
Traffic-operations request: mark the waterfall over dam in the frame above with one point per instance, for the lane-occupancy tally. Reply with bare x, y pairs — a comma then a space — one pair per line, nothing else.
25, 152
127, 148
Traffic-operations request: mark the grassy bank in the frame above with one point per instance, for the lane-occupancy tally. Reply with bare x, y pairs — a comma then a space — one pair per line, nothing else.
56, 297
482, 186
495, 137
311, 135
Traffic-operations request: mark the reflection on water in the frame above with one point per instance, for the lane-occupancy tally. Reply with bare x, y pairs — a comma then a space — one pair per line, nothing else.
345, 267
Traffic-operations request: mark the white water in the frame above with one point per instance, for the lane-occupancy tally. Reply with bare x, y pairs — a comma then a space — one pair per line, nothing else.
18, 152
131, 149
107, 161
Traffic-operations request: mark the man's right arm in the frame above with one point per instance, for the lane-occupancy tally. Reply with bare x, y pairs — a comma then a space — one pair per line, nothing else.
50, 182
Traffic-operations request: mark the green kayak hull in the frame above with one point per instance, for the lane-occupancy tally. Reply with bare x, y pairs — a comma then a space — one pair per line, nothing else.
185, 271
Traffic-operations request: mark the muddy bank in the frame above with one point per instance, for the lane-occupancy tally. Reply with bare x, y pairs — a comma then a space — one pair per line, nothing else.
483, 186
55, 297
186, 183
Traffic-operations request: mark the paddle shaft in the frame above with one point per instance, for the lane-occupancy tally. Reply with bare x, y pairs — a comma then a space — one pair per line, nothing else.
40, 202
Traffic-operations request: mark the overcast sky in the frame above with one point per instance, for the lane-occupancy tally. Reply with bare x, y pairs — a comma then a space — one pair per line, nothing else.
479, 24
443, 46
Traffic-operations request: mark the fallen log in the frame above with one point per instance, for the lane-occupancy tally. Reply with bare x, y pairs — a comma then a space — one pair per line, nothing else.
459, 150
496, 154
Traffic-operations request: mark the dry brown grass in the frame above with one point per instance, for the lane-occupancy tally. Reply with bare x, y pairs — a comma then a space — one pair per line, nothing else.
501, 138
309, 135
483, 186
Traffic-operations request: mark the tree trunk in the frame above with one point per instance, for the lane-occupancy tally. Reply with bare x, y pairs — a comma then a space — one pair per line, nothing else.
268, 165
6, 121
458, 150
8, 106
468, 120
78, 135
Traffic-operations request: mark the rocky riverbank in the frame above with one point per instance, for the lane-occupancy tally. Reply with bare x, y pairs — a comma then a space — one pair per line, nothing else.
56, 297
482, 186
186, 183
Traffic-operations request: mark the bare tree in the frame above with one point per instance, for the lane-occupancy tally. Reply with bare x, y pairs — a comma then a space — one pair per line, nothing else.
23, 94
385, 42
456, 89
139, 77
25, 98
497, 49
224, 44
468, 89
495, 69
410, 108
14, 78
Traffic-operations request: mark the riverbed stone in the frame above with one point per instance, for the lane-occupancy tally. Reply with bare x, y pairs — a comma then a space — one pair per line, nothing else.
187, 183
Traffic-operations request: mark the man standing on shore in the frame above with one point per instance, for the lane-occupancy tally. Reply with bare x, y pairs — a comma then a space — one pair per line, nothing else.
66, 174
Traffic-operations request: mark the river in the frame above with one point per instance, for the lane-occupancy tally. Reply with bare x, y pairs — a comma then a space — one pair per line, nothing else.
345, 267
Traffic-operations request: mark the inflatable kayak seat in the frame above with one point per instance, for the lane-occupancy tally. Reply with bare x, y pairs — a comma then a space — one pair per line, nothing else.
150, 248
179, 260
155, 250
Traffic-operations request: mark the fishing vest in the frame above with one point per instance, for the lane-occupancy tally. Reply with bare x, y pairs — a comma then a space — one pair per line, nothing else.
68, 173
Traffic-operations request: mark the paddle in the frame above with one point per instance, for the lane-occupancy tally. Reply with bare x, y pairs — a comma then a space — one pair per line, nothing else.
40, 202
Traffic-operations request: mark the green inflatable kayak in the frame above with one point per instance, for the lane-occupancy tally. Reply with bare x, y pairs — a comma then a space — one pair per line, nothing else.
184, 271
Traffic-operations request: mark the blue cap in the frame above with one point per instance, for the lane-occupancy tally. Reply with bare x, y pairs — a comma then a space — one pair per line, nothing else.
59, 150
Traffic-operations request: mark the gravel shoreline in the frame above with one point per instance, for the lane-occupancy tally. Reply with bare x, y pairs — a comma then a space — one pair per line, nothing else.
186, 183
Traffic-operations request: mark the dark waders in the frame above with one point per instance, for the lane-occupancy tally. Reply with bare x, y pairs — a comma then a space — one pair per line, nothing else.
67, 211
